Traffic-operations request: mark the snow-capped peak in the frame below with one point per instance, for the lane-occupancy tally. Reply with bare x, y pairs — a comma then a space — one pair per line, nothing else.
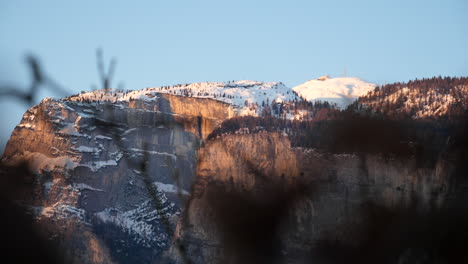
342, 91
248, 97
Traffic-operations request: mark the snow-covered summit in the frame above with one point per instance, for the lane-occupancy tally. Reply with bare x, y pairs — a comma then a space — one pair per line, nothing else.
238, 93
342, 91
246, 96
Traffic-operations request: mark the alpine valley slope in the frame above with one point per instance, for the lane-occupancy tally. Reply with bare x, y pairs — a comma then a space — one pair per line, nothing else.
99, 157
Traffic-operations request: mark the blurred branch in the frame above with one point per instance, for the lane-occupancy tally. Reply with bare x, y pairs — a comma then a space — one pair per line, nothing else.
39, 80
106, 76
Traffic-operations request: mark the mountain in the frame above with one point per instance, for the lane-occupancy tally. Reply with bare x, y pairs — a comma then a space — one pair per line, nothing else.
100, 163
241, 94
433, 98
341, 91
194, 174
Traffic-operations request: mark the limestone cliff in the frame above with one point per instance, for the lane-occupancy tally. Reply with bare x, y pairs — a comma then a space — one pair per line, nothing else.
93, 160
314, 196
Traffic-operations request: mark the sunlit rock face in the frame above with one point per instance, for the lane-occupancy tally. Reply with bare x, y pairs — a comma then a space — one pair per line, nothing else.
257, 200
93, 160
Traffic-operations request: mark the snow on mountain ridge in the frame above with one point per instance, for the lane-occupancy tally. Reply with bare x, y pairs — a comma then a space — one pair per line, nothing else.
238, 93
246, 95
342, 91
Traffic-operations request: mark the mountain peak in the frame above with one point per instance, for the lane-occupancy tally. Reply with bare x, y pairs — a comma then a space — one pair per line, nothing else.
342, 90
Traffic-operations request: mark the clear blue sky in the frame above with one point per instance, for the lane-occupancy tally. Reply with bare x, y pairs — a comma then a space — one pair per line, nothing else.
167, 42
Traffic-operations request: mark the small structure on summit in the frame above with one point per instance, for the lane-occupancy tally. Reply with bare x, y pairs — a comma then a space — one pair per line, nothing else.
324, 77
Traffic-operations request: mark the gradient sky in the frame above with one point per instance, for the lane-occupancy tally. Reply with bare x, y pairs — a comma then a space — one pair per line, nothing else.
168, 42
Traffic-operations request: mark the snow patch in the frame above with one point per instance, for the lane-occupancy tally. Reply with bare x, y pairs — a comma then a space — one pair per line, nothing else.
83, 186
96, 165
58, 211
85, 149
128, 131
103, 137
27, 125
169, 188
152, 152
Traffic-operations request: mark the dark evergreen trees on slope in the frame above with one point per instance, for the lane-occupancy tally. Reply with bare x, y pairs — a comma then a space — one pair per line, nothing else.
434, 98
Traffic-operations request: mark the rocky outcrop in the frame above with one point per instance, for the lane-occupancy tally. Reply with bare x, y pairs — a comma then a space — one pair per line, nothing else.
93, 161
240, 158
198, 115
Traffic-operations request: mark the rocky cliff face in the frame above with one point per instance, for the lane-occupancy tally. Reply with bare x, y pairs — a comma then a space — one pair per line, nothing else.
302, 196
92, 162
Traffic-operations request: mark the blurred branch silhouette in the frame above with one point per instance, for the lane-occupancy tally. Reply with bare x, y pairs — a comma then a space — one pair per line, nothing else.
39, 80
106, 74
